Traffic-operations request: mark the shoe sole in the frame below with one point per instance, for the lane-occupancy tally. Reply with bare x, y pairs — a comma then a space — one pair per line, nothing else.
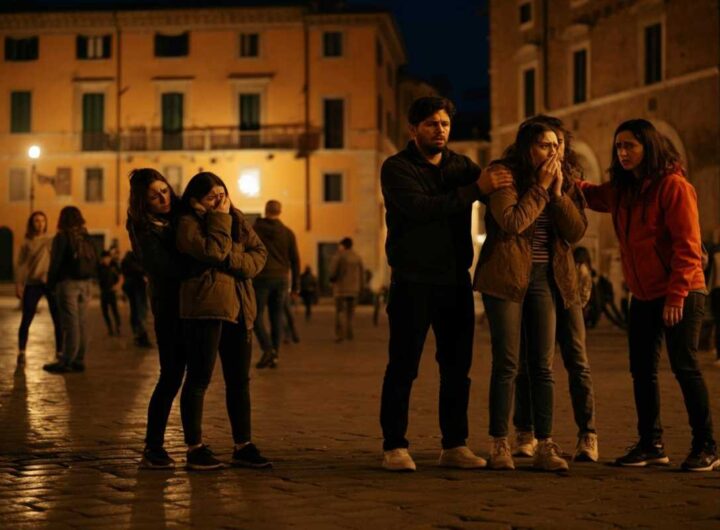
523, 454
240, 463
715, 465
504, 467
584, 457
399, 469
463, 465
145, 464
195, 467
653, 462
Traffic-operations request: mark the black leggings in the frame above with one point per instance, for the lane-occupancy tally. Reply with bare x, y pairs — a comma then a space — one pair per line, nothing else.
203, 339
31, 297
168, 333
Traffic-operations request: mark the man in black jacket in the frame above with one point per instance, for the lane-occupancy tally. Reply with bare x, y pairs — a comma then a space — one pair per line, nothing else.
428, 192
271, 285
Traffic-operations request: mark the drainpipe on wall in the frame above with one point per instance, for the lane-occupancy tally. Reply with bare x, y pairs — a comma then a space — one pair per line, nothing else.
118, 109
307, 148
546, 69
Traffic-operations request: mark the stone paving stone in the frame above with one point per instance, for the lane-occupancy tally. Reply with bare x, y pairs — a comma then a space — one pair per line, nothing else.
69, 445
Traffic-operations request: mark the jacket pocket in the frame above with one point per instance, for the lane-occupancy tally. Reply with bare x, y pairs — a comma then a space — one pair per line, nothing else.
210, 295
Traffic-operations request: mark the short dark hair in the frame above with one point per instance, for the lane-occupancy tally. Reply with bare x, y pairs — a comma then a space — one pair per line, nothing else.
273, 207
70, 219
346, 242
426, 106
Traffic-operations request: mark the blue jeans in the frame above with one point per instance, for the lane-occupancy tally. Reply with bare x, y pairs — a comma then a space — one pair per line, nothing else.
270, 293
72, 298
506, 318
571, 338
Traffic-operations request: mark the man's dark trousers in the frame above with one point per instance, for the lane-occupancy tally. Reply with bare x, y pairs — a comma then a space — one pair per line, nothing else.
270, 293
412, 309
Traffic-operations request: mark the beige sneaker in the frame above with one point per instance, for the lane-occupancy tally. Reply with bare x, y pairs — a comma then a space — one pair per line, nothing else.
461, 457
525, 444
547, 457
500, 457
398, 460
587, 448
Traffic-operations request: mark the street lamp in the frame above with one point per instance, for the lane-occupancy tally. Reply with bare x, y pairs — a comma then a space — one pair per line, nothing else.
34, 154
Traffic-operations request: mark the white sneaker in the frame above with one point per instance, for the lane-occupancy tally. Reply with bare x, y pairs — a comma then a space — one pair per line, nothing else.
500, 457
461, 457
547, 457
398, 460
587, 448
525, 444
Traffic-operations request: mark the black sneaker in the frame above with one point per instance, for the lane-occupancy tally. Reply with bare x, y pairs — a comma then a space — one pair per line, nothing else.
249, 456
202, 458
57, 367
77, 366
640, 455
156, 459
703, 458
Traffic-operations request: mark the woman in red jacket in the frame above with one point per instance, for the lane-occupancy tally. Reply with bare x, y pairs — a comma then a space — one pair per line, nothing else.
655, 215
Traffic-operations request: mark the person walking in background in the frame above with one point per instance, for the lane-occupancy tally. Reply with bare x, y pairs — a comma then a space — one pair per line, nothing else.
73, 264
346, 276
655, 214
217, 305
290, 333
152, 211
308, 290
570, 333
271, 285
135, 289
429, 191
109, 276
31, 282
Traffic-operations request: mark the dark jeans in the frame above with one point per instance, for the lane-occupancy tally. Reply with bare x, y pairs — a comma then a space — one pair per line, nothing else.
571, 338
645, 333
203, 339
270, 293
108, 303
289, 329
715, 308
137, 298
308, 301
537, 313
31, 297
412, 309
168, 331
344, 312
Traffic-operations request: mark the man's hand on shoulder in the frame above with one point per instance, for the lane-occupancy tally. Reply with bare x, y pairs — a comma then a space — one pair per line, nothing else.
493, 178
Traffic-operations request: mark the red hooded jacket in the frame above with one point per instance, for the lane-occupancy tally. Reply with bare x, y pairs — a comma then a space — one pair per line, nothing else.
659, 235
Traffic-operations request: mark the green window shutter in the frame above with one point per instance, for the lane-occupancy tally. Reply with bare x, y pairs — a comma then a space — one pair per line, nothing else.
93, 113
249, 112
20, 106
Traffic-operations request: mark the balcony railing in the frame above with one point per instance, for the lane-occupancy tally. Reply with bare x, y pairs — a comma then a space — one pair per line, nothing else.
291, 137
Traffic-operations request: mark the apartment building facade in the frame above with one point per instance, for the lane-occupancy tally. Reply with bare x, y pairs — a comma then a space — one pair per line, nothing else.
596, 63
284, 103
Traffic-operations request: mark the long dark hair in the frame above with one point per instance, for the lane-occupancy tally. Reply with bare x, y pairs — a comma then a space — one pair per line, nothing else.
570, 165
517, 156
660, 157
198, 187
70, 220
30, 232
138, 216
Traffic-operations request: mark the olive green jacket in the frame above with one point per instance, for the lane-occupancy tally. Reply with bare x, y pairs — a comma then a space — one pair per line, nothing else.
219, 285
505, 262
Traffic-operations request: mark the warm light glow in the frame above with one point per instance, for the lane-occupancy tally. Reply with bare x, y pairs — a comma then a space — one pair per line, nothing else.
34, 152
249, 182
481, 238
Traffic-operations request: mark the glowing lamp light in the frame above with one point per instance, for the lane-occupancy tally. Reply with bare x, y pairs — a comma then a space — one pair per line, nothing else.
249, 182
480, 238
34, 152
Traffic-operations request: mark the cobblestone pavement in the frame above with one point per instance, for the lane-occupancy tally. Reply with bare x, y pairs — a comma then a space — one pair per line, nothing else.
69, 445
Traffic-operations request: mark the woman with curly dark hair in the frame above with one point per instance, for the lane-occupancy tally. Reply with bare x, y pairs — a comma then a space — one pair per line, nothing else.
655, 215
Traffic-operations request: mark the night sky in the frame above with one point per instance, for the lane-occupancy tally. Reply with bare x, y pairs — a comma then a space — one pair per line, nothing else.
446, 43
